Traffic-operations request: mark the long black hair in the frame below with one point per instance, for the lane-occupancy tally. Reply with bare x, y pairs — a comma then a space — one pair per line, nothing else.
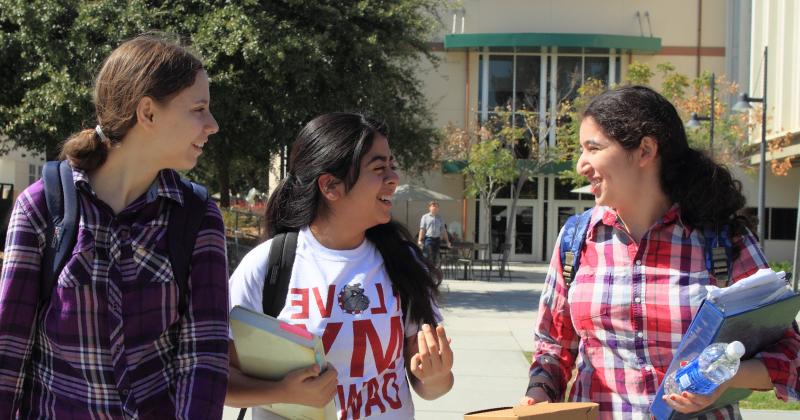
709, 197
335, 144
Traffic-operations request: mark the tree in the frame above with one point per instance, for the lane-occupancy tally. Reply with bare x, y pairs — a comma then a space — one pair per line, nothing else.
273, 66
688, 96
490, 166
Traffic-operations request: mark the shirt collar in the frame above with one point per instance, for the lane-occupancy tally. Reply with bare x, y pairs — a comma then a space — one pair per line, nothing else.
608, 216
166, 184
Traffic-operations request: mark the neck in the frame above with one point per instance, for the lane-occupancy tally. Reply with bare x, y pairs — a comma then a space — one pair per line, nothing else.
336, 235
640, 216
123, 177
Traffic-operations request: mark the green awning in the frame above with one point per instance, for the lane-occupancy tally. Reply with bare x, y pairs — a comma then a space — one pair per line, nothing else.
639, 44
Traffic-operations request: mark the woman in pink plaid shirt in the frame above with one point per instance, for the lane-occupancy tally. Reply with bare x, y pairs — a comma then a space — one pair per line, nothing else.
642, 274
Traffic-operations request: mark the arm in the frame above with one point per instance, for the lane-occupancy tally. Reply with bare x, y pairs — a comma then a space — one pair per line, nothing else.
777, 367
556, 345
201, 365
421, 235
429, 362
304, 386
19, 299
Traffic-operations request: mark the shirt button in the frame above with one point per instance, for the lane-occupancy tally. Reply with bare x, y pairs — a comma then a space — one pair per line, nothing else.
648, 368
125, 391
640, 334
638, 262
637, 299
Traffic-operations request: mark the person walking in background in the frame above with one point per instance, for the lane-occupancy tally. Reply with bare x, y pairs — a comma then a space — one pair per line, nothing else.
116, 336
643, 272
431, 231
379, 325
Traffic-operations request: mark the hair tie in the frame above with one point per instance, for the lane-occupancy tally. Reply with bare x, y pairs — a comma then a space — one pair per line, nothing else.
99, 131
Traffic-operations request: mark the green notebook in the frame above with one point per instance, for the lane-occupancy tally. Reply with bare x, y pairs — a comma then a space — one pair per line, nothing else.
269, 349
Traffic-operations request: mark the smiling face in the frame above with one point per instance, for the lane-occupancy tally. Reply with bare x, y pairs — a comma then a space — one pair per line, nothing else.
611, 170
183, 124
369, 201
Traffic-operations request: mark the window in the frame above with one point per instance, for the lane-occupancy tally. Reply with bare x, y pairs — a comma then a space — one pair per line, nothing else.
32, 175
783, 223
512, 80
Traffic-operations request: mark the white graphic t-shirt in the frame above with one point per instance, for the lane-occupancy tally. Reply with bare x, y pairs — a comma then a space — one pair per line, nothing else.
344, 297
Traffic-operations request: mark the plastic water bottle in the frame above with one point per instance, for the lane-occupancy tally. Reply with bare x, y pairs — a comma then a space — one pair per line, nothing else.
715, 365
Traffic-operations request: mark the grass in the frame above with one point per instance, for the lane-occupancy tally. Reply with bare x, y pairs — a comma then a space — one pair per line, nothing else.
758, 400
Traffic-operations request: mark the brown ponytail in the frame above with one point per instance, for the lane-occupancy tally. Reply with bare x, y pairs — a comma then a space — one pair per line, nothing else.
150, 65
85, 150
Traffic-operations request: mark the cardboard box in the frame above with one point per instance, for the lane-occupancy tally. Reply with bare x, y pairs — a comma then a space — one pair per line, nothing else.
542, 411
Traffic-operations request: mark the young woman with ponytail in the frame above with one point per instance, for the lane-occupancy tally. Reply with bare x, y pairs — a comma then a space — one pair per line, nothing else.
111, 341
642, 272
358, 281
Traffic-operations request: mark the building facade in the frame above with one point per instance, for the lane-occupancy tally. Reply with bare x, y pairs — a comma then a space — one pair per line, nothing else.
523, 55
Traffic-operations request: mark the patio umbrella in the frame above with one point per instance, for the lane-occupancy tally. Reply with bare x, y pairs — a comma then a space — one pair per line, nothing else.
408, 192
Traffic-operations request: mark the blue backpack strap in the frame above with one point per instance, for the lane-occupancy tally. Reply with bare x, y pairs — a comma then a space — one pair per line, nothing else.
182, 228
718, 254
61, 231
572, 241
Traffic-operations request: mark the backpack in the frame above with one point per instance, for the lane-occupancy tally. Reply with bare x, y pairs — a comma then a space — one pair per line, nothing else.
62, 228
717, 249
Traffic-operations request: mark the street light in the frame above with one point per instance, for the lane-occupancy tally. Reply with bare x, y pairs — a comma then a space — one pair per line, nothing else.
743, 106
694, 121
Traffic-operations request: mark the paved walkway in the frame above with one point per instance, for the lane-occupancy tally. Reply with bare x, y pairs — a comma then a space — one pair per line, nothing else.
490, 324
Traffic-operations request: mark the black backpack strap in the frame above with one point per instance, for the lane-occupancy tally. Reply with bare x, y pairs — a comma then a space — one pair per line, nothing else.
182, 228
61, 231
279, 272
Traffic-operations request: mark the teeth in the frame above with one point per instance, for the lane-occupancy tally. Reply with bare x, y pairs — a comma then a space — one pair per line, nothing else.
385, 198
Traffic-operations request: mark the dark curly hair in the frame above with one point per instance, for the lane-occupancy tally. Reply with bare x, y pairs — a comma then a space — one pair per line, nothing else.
709, 197
335, 143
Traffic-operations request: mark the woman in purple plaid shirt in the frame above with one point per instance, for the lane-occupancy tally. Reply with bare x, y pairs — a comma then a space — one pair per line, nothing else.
111, 342
642, 274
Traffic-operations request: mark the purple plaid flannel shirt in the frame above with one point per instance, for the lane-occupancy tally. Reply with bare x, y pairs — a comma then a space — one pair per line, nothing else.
111, 343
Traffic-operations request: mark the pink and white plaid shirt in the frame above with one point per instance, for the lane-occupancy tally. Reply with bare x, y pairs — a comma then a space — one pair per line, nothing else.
625, 313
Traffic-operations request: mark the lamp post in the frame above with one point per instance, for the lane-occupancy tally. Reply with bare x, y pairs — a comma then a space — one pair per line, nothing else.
743, 106
694, 121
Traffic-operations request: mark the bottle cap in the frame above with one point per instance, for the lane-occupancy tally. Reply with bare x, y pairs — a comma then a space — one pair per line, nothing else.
735, 350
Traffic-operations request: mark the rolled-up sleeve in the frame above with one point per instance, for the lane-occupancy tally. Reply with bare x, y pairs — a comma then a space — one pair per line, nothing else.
556, 341
19, 297
202, 362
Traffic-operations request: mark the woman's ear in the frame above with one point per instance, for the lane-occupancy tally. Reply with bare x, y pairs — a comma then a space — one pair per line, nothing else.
648, 151
145, 112
329, 186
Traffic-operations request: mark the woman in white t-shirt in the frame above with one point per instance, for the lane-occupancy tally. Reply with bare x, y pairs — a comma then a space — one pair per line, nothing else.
358, 280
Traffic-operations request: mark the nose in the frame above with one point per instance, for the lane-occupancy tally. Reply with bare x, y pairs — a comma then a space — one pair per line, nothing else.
583, 166
212, 127
392, 178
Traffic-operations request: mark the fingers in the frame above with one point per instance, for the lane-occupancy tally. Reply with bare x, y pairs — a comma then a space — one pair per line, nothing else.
303, 374
526, 400
687, 402
433, 347
444, 346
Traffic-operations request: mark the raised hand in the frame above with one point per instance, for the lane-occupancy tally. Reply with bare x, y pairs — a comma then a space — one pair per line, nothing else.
434, 358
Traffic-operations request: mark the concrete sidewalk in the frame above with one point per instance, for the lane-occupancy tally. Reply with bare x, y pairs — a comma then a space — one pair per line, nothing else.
491, 324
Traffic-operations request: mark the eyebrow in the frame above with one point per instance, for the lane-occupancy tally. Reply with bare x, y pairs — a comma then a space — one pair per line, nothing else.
201, 102
592, 142
382, 158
